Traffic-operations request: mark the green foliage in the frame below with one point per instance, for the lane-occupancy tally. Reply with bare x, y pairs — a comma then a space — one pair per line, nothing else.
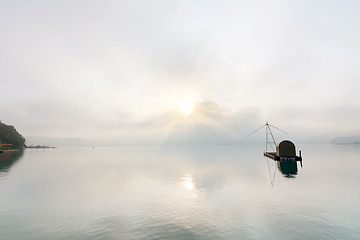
9, 135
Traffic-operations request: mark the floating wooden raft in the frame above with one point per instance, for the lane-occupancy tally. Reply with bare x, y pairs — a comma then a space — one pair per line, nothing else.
273, 155
285, 152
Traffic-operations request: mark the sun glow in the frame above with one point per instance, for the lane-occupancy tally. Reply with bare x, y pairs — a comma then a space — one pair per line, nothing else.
189, 115
187, 108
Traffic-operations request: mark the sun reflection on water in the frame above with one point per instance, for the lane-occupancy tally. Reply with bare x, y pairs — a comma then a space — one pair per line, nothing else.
187, 182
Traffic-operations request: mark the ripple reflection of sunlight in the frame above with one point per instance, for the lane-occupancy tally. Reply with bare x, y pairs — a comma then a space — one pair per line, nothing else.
187, 182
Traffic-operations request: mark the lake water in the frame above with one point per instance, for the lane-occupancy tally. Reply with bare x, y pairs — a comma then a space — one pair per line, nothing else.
200, 192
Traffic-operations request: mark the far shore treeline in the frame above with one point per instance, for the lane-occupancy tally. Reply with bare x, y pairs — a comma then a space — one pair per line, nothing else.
9, 135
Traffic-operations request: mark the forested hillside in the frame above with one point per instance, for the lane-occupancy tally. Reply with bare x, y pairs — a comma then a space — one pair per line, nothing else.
9, 135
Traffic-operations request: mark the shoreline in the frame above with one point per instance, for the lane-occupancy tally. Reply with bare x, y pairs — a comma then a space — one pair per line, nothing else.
10, 150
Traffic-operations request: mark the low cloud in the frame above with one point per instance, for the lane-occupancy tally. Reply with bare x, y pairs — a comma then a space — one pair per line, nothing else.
116, 72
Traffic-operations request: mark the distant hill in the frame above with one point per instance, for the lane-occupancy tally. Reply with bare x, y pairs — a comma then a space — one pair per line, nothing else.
9, 135
347, 140
60, 141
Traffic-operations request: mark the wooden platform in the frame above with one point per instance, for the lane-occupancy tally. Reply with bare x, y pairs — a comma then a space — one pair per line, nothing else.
273, 156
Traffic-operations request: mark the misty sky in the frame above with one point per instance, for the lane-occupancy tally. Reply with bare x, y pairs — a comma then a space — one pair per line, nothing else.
122, 71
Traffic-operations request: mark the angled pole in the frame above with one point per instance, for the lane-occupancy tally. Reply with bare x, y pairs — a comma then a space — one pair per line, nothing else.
270, 140
256, 130
277, 128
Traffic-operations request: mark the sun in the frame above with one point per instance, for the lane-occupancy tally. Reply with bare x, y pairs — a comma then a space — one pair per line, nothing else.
187, 108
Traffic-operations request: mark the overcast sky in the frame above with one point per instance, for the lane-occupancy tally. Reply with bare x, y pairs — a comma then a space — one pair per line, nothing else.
122, 71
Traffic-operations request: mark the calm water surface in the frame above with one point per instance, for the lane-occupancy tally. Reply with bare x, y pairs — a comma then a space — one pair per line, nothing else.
213, 192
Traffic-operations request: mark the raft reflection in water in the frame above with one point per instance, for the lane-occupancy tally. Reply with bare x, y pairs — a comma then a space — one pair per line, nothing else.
288, 169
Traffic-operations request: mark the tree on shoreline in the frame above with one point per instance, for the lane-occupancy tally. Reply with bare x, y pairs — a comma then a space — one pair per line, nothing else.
9, 135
